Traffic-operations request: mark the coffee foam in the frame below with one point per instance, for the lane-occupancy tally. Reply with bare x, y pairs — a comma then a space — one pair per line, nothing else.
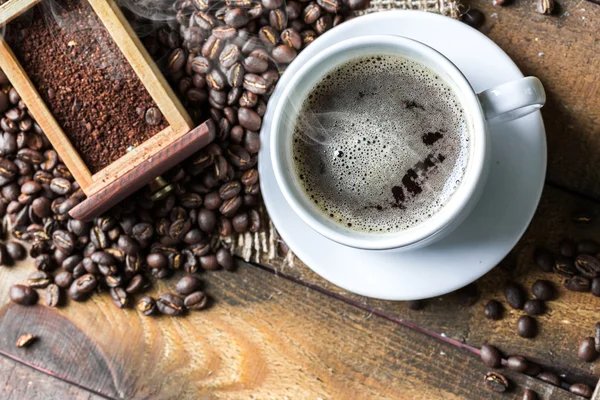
380, 144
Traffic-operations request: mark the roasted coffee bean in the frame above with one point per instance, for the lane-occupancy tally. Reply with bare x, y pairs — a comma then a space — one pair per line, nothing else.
212, 201
526, 326
311, 13
248, 99
209, 262
493, 310
544, 259
142, 231
146, 305
278, 19
216, 80
8, 171
207, 220
195, 301
98, 238
64, 240
533, 369
16, 251
567, 248
119, 297
284, 54
235, 76
225, 32
565, 266
230, 55
230, 190
515, 296
255, 220
529, 394
588, 265
44, 262
153, 116
543, 290
255, 83
157, 260
473, 18
292, 38
23, 295
102, 257
188, 285
549, 377
38, 280
496, 382
581, 389
517, 363
200, 65
170, 304
587, 350
26, 340
212, 47
236, 17
534, 307
52, 295
331, 6
30, 156
224, 226
86, 283
588, 247
491, 356
128, 245
268, 36
231, 206
323, 24
31, 187
415, 304
595, 287
577, 284
63, 279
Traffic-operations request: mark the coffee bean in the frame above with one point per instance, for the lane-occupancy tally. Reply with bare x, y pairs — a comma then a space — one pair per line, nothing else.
595, 287
526, 326
533, 369
63, 279
567, 248
529, 394
493, 310
544, 290
496, 382
491, 356
195, 301
85, 284
544, 259
311, 13
209, 262
230, 55
188, 285
38, 280
549, 377
565, 266
292, 38
64, 240
474, 18
248, 99
157, 260
153, 116
236, 17
52, 295
212, 47
128, 245
224, 32
587, 350
578, 284
323, 24
517, 363
146, 305
15, 251
8, 171
283, 54
515, 296
268, 36
588, 265
235, 76
170, 304
581, 389
119, 297
331, 6
415, 304
534, 307
23, 295
216, 80
468, 295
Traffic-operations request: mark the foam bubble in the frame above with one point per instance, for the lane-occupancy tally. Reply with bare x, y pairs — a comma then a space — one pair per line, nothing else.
381, 144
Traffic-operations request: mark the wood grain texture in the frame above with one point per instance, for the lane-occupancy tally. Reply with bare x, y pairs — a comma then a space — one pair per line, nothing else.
264, 337
36, 106
21, 382
138, 177
143, 65
14, 8
563, 51
569, 318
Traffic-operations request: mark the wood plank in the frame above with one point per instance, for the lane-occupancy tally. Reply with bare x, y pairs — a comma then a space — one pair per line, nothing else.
144, 66
569, 319
263, 337
22, 382
562, 50
30, 96
13, 8
138, 177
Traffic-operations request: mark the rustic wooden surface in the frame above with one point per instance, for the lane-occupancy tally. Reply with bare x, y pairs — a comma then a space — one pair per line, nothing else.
277, 331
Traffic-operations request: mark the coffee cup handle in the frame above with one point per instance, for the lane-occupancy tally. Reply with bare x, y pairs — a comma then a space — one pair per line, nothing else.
512, 100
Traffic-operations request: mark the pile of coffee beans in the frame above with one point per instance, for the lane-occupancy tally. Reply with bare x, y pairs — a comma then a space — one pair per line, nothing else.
224, 61
492, 357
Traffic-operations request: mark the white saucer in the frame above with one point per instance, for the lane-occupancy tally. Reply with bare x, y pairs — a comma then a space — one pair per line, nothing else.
499, 219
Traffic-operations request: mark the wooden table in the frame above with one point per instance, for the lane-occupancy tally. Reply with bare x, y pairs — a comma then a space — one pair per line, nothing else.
283, 332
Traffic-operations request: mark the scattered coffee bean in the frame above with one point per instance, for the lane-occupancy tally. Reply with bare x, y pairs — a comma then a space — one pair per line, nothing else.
529, 394
195, 301
550, 377
581, 389
146, 305
468, 295
587, 265
188, 285
38, 280
515, 296
496, 382
533, 369
595, 287
578, 284
543, 290
52, 295
587, 350
15, 251
474, 18
493, 310
534, 307
415, 304
170, 304
491, 356
565, 267
23, 295
517, 363
26, 340
526, 326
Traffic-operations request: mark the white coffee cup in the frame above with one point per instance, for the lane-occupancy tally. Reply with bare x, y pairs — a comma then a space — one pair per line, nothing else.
500, 104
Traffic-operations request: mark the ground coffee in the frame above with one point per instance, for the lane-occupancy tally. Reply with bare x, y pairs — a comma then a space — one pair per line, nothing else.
84, 79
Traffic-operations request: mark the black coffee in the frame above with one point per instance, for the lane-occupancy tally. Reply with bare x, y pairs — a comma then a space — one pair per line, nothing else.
381, 143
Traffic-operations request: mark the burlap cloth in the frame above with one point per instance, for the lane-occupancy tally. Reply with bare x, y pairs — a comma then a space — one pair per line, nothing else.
267, 245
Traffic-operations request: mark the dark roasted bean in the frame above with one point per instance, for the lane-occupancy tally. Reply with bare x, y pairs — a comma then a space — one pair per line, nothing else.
549, 377
543, 290
170, 304
493, 310
23, 295
52, 295
284, 54
146, 305
188, 284
581, 389
534, 307
491, 356
195, 301
496, 382
517, 363
526, 326
578, 284
544, 259
515, 296
587, 350
119, 297
63, 279
38, 280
